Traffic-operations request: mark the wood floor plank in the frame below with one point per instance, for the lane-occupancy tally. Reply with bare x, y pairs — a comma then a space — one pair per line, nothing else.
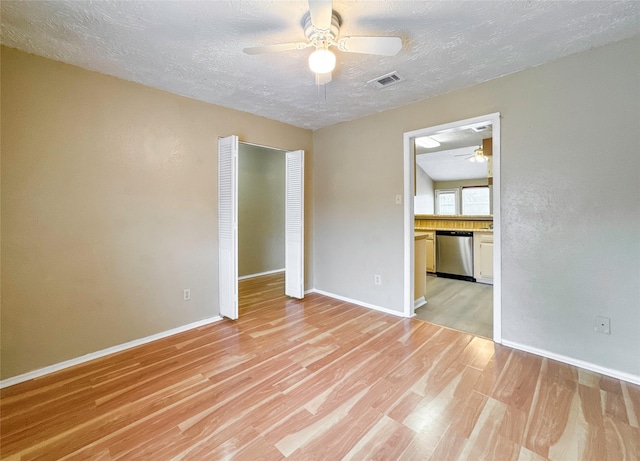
513, 424
631, 395
494, 368
518, 380
422, 447
258, 450
465, 420
574, 441
442, 408
528, 455
621, 441
537, 432
477, 353
335, 440
405, 406
93, 429
614, 406
320, 378
485, 442
386, 440
449, 447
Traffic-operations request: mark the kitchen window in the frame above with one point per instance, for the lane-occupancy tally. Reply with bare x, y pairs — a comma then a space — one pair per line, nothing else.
476, 200
447, 201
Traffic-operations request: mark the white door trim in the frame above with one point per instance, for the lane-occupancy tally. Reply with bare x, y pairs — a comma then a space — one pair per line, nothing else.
228, 226
230, 283
294, 224
409, 180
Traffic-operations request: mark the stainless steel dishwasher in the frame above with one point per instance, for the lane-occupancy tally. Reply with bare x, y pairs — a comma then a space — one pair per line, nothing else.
454, 254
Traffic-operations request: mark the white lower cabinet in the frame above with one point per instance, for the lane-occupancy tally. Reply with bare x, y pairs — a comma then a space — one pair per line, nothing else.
483, 257
431, 251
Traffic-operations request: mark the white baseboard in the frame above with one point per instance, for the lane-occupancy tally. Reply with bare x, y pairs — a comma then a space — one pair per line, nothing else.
635, 379
485, 281
359, 303
419, 303
104, 352
250, 276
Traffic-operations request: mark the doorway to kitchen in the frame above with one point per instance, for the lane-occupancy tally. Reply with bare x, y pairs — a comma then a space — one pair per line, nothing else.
464, 212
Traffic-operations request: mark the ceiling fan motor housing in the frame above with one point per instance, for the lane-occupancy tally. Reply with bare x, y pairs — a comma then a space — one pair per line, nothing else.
319, 37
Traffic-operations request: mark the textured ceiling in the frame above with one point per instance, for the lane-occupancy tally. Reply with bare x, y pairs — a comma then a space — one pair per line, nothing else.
460, 137
452, 165
195, 48
450, 160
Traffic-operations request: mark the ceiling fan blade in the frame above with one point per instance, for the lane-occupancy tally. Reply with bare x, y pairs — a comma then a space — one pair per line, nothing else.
383, 46
321, 11
276, 47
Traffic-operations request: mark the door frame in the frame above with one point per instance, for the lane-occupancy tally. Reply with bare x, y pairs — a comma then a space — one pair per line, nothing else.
285, 152
409, 220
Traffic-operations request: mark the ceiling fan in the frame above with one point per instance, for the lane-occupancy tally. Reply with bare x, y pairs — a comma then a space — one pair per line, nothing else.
322, 29
476, 156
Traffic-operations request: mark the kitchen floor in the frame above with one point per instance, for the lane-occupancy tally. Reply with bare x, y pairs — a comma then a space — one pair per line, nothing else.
464, 306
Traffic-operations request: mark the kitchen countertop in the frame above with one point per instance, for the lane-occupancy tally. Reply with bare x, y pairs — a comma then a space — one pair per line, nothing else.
455, 217
431, 229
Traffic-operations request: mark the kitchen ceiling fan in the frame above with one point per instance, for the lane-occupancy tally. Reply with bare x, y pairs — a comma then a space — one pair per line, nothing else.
476, 156
322, 30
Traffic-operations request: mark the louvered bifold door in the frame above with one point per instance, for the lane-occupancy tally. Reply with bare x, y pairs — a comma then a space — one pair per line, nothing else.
294, 225
228, 226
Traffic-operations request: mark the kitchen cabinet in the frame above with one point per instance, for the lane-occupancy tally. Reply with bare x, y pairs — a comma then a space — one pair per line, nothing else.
483, 257
431, 251
487, 150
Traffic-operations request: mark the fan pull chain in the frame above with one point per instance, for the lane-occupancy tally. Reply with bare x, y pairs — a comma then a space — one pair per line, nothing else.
322, 91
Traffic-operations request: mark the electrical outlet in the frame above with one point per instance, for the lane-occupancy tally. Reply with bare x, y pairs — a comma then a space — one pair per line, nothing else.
186, 294
398, 199
603, 325
377, 279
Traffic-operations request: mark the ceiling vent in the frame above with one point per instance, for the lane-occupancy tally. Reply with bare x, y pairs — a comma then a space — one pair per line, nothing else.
386, 80
480, 128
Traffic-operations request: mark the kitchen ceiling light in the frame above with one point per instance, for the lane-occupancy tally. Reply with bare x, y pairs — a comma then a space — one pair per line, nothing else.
322, 61
427, 142
478, 155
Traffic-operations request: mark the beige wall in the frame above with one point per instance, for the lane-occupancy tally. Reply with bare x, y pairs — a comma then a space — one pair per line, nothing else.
570, 168
261, 197
108, 208
424, 200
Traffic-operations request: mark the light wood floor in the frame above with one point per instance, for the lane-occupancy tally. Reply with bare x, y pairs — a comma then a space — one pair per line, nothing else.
320, 379
458, 304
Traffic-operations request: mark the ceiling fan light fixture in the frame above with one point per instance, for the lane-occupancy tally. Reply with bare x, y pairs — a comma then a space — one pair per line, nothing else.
321, 27
478, 156
322, 61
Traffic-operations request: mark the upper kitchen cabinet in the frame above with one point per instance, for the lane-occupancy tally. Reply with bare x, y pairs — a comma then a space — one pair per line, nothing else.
487, 150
